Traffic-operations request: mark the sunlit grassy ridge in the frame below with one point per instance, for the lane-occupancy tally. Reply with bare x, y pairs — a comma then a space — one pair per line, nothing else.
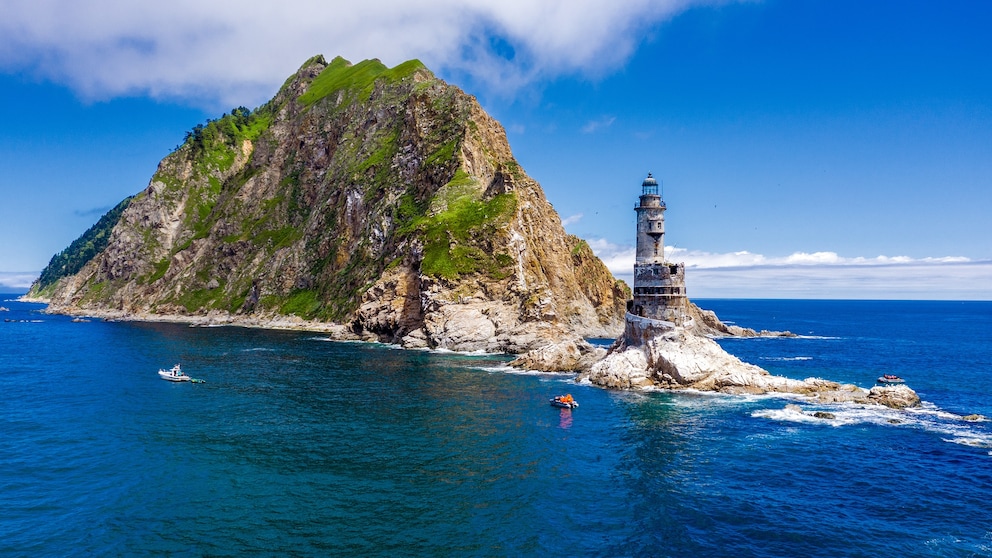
356, 80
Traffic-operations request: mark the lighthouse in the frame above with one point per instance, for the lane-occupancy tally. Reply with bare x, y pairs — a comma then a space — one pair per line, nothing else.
650, 223
659, 285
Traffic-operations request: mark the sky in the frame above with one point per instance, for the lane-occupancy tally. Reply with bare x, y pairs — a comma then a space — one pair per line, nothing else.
806, 148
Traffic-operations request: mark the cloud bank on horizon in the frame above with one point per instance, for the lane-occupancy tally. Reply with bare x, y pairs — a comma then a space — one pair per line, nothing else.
799, 275
15, 281
819, 274
169, 50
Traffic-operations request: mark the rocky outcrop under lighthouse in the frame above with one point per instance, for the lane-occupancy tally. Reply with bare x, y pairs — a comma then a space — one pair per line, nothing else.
654, 354
657, 354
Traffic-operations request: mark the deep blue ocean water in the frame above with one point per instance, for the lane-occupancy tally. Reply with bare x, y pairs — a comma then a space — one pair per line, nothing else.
301, 446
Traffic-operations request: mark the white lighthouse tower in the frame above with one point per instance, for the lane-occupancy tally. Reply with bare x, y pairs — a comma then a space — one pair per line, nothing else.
659, 286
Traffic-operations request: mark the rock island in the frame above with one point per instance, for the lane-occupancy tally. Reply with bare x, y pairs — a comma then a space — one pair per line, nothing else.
370, 202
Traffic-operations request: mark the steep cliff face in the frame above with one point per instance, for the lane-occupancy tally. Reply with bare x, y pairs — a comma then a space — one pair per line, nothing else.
383, 199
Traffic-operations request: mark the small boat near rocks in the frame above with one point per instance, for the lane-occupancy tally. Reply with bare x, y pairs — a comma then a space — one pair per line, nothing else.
564, 401
890, 379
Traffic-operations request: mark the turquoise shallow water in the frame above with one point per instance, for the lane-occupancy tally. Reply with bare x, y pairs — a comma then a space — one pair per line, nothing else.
301, 446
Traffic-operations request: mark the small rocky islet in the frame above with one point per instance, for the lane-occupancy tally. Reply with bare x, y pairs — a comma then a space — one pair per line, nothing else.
384, 204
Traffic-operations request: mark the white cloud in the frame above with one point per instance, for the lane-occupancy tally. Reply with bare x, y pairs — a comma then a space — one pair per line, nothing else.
594, 125
815, 275
618, 259
571, 219
920, 280
227, 53
16, 281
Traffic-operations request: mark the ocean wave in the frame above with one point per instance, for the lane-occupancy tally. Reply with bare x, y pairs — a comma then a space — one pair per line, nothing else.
477, 353
506, 369
973, 441
739, 398
786, 359
333, 340
949, 426
773, 337
789, 415
952, 545
396, 346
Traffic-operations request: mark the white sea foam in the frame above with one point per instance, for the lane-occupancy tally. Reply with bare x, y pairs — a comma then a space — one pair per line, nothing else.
505, 369
974, 441
826, 337
478, 353
788, 415
333, 340
786, 359
949, 426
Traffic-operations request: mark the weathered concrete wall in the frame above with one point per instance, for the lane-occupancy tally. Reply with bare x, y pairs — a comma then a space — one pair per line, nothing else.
659, 292
650, 229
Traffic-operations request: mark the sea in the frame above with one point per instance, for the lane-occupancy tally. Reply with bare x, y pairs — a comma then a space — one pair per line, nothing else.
296, 445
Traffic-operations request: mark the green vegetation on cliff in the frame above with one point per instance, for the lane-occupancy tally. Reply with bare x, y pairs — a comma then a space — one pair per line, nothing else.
215, 145
356, 80
454, 237
81, 251
351, 177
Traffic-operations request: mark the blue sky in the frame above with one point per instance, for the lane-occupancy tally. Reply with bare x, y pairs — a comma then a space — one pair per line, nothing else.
807, 148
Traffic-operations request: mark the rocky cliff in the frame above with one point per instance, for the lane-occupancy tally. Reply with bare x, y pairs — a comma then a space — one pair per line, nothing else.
382, 199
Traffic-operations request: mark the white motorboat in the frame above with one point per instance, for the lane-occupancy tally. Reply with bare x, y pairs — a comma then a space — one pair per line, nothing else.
174, 374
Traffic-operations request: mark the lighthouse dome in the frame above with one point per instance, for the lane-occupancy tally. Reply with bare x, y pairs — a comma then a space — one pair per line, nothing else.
649, 186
